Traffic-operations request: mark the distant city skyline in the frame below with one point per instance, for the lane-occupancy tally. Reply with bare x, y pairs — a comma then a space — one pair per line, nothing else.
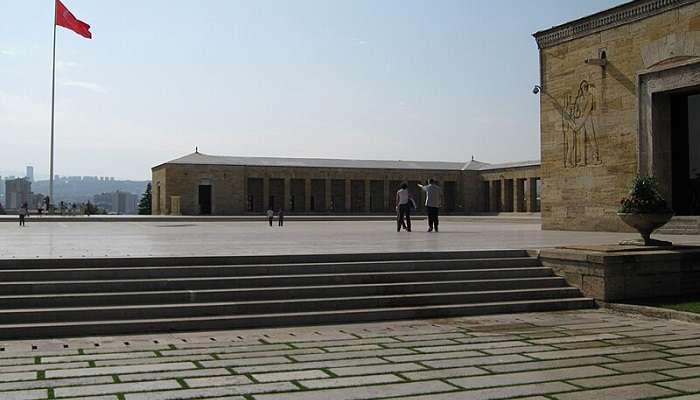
40, 177
410, 80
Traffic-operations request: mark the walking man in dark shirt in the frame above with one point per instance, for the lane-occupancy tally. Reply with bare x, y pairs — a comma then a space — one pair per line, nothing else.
280, 216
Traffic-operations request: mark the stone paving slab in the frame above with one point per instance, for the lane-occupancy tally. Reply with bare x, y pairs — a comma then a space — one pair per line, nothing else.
536, 365
364, 392
189, 373
24, 395
53, 383
116, 388
291, 375
634, 392
517, 378
350, 381
213, 392
376, 369
218, 381
499, 393
547, 356
619, 380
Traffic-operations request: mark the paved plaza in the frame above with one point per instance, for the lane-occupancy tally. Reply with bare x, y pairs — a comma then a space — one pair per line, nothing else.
562, 355
589, 354
186, 238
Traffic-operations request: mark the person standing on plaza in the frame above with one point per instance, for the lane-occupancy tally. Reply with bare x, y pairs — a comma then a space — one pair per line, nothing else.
433, 202
270, 215
23, 211
280, 217
403, 208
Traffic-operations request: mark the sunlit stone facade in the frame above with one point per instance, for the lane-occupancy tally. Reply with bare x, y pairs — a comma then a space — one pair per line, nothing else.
199, 184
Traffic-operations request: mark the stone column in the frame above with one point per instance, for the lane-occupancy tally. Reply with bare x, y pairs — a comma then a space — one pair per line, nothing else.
421, 196
504, 196
155, 199
266, 193
328, 194
368, 195
307, 195
244, 197
532, 195
387, 196
518, 195
348, 195
493, 199
287, 193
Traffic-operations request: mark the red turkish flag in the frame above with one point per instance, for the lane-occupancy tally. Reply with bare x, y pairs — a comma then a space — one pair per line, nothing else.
66, 19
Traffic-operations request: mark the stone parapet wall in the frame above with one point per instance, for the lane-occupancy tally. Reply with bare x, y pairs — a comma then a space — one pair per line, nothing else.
618, 273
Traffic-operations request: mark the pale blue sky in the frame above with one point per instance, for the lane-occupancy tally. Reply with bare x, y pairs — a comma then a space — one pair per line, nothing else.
377, 79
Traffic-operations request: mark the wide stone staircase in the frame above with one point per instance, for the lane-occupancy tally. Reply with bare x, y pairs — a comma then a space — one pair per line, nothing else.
105, 296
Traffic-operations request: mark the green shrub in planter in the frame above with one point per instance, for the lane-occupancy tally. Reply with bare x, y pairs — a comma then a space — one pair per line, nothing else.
644, 198
645, 210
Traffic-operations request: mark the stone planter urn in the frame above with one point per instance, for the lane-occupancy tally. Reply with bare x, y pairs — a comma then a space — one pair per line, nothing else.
645, 224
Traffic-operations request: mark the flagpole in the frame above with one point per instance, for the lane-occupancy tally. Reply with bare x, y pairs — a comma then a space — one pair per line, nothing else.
53, 93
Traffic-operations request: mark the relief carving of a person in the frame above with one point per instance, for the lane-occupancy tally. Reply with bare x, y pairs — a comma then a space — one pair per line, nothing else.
571, 153
585, 107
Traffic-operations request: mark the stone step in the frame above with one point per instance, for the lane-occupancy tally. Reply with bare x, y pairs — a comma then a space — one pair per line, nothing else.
686, 218
681, 225
274, 293
50, 263
152, 272
93, 286
678, 231
77, 297
113, 327
136, 312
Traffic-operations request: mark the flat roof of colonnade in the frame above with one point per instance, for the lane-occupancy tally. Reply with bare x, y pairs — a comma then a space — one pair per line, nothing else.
197, 158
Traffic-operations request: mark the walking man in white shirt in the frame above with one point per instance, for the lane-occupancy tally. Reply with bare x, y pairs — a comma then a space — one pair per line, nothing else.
433, 202
270, 215
403, 209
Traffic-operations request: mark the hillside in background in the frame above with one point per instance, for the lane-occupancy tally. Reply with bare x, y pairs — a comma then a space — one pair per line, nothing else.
82, 189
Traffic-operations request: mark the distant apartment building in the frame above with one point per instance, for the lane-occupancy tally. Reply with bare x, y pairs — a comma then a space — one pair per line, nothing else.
117, 202
30, 173
17, 192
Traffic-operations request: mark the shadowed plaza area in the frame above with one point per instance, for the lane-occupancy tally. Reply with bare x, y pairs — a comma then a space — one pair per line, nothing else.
187, 238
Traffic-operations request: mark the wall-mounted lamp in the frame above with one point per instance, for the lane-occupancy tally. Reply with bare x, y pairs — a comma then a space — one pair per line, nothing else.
601, 61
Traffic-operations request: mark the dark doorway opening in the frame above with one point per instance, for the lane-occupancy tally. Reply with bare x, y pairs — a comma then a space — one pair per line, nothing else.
205, 199
485, 196
685, 152
255, 195
449, 192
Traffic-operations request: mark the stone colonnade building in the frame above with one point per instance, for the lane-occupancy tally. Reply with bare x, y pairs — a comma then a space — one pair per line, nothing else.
620, 97
200, 184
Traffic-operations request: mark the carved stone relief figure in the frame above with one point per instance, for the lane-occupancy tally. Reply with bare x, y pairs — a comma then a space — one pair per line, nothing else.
579, 128
571, 153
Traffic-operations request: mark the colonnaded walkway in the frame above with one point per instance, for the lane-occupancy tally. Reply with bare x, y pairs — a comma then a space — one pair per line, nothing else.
579, 355
182, 238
